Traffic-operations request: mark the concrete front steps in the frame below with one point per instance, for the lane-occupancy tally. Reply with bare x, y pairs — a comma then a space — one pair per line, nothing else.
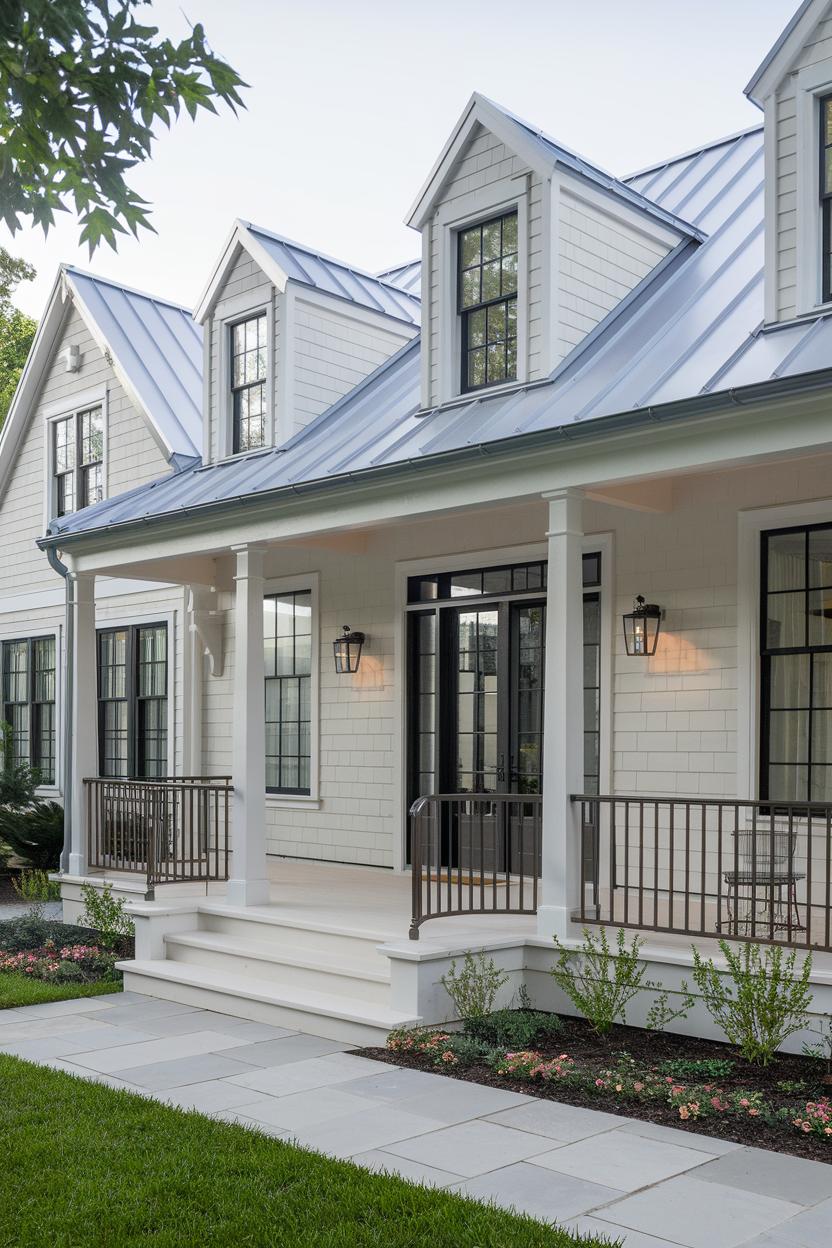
259, 965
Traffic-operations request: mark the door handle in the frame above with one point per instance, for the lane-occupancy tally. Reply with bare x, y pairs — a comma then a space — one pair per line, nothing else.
501, 769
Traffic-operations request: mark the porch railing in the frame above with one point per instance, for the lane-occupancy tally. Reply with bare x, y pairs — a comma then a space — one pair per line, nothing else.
168, 830
747, 870
474, 853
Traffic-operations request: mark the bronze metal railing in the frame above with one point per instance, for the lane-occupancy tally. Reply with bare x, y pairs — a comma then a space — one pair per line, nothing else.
474, 853
168, 830
747, 870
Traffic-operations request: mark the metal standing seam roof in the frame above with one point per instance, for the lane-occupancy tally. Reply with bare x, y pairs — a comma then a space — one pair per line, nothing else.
407, 277
158, 348
691, 329
320, 272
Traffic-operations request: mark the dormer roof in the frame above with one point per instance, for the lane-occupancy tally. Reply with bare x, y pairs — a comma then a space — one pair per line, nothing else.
541, 153
284, 261
781, 56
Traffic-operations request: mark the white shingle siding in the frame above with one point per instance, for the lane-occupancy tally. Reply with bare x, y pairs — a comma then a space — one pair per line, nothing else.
818, 48
333, 350
601, 259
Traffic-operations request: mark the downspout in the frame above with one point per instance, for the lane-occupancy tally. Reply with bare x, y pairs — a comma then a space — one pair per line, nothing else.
66, 762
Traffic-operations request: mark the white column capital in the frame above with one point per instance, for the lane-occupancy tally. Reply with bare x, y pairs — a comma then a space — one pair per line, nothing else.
565, 512
249, 560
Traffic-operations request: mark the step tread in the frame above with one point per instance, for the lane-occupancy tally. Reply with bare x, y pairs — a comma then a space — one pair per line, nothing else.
275, 918
314, 960
350, 1009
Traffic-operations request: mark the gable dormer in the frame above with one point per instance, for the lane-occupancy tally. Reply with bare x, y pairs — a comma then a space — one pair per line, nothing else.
793, 86
288, 331
526, 247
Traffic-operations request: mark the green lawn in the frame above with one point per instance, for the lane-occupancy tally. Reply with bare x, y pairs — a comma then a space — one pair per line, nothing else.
19, 989
86, 1165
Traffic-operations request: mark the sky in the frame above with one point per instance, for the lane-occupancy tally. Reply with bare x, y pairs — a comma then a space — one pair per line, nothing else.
351, 101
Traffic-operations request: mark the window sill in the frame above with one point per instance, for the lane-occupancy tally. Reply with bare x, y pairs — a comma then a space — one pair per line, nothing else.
293, 801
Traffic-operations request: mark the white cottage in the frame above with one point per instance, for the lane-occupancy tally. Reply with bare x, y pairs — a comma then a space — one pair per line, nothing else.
578, 527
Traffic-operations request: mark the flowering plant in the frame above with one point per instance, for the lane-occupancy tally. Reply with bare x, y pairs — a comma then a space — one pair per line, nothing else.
815, 1118
61, 964
528, 1064
437, 1045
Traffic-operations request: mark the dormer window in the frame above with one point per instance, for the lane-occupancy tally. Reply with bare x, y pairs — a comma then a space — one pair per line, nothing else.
248, 383
826, 194
488, 302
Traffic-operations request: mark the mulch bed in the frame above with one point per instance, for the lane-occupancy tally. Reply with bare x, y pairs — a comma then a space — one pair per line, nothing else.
650, 1049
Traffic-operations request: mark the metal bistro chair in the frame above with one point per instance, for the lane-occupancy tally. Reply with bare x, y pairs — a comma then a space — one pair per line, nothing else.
762, 882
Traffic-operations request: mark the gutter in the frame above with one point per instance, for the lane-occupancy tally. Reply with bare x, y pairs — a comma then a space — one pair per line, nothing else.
66, 761
579, 431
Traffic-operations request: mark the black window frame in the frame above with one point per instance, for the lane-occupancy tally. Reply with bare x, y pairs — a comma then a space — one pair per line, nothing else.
824, 164
303, 683
239, 389
767, 653
506, 298
137, 735
35, 705
75, 477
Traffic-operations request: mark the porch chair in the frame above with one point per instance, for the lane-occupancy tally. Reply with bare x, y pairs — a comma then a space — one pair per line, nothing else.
762, 882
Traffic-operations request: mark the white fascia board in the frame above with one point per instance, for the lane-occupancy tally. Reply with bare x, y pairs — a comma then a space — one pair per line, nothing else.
112, 359
478, 111
614, 206
780, 59
31, 379
240, 237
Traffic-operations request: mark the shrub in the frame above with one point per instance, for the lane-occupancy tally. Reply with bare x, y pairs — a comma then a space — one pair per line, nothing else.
759, 1001
67, 964
18, 781
106, 914
34, 885
32, 931
600, 983
473, 989
35, 833
821, 1049
513, 1029
706, 1069
435, 1045
467, 1050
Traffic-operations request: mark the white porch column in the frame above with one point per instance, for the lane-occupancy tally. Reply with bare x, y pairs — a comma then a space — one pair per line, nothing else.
249, 885
563, 715
83, 759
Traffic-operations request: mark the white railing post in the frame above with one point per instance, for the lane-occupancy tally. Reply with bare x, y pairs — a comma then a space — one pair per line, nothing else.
84, 717
563, 718
249, 884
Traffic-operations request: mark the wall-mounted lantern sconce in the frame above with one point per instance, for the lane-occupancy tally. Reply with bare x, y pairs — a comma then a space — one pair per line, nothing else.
348, 651
641, 628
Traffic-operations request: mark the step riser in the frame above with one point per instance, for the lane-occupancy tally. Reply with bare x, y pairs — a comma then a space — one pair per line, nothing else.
298, 941
277, 972
314, 1024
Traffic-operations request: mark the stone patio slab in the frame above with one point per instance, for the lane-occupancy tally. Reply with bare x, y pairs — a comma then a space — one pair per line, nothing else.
625, 1161
382, 1162
207, 1098
381, 1126
452, 1100
771, 1174
392, 1084
316, 1072
153, 1051
688, 1211
811, 1229
529, 1189
137, 1015
290, 1048
181, 1071
304, 1109
558, 1122
471, 1147
594, 1225
686, 1139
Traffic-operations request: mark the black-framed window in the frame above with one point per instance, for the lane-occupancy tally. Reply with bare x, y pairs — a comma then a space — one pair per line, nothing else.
796, 664
287, 655
28, 682
825, 128
133, 702
249, 364
78, 460
487, 297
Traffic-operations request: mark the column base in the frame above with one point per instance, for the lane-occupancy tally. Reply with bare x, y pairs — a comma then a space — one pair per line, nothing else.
247, 892
77, 864
557, 921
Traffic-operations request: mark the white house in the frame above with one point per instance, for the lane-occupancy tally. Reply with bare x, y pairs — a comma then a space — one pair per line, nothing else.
620, 387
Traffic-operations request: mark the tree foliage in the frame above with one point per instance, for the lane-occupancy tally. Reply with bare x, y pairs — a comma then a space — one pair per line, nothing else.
82, 85
16, 328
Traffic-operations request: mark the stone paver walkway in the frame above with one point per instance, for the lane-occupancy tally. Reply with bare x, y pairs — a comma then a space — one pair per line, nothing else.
652, 1186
